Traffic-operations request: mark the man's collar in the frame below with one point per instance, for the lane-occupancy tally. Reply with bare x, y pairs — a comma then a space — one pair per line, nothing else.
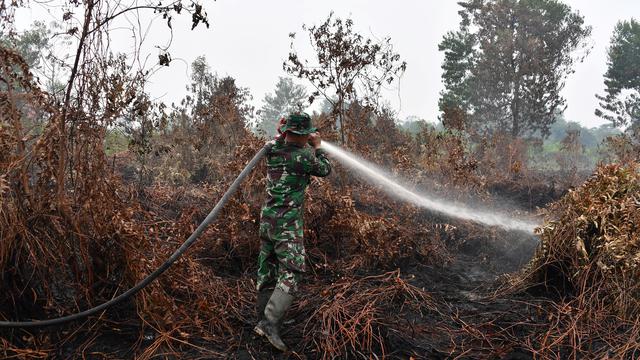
294, 144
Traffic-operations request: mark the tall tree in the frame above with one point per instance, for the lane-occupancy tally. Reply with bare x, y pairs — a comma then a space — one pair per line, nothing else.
504, 68
288, 96
347, 65
621, 104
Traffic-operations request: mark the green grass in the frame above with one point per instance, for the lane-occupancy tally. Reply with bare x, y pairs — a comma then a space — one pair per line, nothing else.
115, 141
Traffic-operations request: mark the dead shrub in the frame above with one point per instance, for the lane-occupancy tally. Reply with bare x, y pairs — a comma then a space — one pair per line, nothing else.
588, 263
357, 317
591, 238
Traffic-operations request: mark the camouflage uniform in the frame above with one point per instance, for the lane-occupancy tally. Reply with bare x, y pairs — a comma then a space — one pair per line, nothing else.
282, 255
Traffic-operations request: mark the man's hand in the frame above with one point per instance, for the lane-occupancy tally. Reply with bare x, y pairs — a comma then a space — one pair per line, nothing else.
315, 140
280, 123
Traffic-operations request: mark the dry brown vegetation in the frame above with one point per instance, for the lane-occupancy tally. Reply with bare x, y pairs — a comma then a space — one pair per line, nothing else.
589, 255
74, 235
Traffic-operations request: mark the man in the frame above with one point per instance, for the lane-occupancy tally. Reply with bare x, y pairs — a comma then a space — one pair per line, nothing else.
290, 164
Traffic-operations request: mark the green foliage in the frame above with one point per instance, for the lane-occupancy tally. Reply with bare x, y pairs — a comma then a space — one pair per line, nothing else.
459, 54
588, 146
31, 44
413, 125
621, 104
505, 66
36, 47
115, 141
589, 137
286, 98
210, 97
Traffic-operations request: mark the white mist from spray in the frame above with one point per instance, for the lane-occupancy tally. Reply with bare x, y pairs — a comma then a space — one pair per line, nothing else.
394, 188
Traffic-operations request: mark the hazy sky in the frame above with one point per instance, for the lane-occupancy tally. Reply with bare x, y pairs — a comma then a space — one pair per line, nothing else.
249, 41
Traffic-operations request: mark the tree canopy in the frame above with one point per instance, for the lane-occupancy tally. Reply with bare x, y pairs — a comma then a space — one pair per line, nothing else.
621, 103
506, 64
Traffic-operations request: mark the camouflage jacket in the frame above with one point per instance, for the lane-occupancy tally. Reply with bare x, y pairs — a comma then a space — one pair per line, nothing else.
289, 170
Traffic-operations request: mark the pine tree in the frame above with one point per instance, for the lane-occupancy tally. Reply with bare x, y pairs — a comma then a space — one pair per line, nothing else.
621, 104
287, 97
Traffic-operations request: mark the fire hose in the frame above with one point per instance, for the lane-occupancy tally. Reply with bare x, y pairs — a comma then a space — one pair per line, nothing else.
147, 280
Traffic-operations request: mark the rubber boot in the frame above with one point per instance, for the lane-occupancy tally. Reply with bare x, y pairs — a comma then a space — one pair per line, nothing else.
269, 327
263, 299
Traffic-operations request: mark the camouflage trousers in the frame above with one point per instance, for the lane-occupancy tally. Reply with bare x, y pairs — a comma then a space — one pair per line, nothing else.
282, 256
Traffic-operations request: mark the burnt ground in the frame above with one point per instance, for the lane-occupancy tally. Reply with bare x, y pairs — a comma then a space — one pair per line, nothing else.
466, 289
463, 288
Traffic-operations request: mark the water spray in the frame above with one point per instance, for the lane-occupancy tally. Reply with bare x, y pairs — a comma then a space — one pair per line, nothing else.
395, 188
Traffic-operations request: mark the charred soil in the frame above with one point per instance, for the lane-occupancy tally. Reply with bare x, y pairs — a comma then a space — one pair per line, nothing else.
413, 306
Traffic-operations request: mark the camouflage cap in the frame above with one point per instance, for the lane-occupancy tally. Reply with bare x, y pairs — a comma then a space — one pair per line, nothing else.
298, 123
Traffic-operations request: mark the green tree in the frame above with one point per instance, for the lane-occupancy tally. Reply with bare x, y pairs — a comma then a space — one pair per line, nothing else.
347, 67
604, 131
505, 66
413, 124
621, 104
286, 98
459, 55
32, 44
35, 47
202, 84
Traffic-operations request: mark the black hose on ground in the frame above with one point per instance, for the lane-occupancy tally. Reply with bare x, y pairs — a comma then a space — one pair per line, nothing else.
212, 215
